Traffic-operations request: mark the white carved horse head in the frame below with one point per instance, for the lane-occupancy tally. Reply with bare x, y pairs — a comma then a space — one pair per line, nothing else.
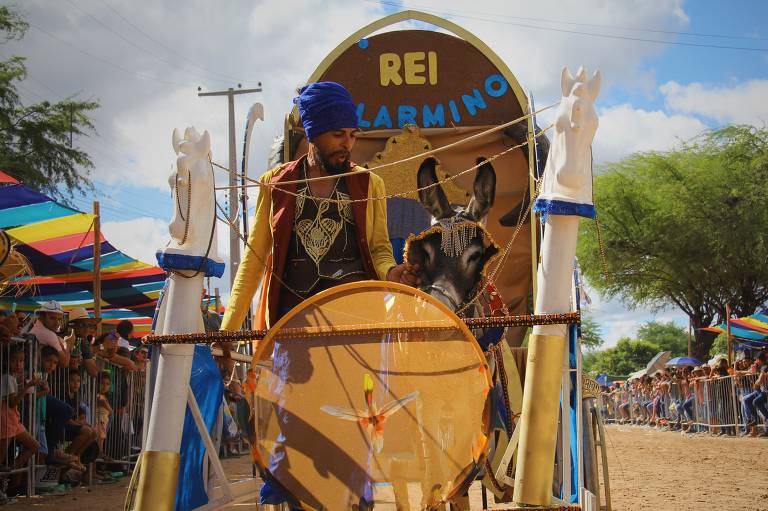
568, 173
193, 225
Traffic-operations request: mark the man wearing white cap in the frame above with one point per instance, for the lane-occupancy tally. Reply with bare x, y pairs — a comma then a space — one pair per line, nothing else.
49, 318
84, 327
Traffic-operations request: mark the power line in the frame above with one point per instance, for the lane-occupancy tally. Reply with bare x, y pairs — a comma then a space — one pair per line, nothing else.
134, 44
595, 25
168, 48
589, 34
142, 75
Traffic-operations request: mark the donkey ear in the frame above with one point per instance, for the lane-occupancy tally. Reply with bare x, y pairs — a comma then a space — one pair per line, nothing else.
433, 199
581, 74
594, 84
176, 140
566, 82
484, 190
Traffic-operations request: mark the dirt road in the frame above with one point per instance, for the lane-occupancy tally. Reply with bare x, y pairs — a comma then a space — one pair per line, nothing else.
650, 470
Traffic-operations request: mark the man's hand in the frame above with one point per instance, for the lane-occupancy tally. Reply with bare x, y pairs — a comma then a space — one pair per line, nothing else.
405, 274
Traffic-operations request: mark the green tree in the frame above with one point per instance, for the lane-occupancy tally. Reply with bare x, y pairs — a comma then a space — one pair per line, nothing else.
591, 333
666, 335
35, 139
683, 227
629, 355
719, 346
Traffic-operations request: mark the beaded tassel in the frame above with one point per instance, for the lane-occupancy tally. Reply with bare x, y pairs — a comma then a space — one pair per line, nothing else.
456, 236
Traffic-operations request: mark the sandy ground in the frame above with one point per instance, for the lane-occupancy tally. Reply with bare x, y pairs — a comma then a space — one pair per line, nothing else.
649, 470
663, 470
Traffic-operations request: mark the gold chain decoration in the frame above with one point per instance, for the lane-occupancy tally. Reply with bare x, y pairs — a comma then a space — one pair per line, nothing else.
276, 186
503, 259
189, 203
568, 318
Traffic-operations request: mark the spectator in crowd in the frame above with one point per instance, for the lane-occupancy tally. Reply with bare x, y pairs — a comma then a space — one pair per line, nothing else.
757, 399
5, 335
211, 320
13, 324
687, 398
139, 358
57, 419
49, 319
124, 330
103, 409
722, 398
105, 347
13, 388
84, 327
77, 430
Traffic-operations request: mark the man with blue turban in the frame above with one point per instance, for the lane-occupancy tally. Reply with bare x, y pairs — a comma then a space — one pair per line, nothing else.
301, 244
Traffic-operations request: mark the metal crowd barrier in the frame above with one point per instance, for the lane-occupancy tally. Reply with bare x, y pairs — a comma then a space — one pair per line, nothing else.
706, 405
124, 431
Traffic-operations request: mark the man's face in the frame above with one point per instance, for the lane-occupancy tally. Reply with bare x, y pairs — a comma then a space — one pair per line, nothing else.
51, 320
334, 148
110, 345
81, 327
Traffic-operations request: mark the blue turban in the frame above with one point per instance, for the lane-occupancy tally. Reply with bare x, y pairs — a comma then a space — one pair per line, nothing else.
325, 106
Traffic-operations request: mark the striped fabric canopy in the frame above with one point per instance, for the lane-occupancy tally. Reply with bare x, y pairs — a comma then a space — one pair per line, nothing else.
59, 241
752, 329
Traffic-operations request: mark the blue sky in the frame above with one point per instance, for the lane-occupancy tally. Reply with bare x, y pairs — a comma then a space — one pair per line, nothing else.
653, 95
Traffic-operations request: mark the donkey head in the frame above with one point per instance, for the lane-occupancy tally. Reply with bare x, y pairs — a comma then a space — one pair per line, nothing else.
453, 253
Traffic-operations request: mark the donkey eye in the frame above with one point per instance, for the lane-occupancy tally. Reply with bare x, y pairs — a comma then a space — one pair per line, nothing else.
474, 257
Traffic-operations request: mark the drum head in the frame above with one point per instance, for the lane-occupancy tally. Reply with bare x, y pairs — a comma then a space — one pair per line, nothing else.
370, 392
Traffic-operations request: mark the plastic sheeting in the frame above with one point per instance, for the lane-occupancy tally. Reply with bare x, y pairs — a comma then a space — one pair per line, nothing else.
372, 392
206, 384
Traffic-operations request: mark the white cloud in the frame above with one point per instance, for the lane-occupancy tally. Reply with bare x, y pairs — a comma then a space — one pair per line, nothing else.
536, 55
139, 238
743, 103
625, 129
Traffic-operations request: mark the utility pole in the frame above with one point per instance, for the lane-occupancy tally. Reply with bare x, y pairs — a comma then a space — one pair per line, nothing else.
96, 273
234, 241
728, 333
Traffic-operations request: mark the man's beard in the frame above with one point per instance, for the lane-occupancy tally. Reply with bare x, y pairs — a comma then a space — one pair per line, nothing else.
337, 168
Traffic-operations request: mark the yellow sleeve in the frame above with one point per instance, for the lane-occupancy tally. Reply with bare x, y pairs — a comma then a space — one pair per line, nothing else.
378, 235
251, 269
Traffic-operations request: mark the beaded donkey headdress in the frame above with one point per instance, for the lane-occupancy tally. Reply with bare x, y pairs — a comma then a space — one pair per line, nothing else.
456, 234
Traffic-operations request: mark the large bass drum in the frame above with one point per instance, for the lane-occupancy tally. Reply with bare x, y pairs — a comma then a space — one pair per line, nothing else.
370, 393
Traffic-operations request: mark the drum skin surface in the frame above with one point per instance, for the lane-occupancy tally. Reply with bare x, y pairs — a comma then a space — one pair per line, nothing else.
370, 393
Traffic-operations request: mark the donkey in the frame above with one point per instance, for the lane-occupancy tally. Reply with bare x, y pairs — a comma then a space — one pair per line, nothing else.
452, 255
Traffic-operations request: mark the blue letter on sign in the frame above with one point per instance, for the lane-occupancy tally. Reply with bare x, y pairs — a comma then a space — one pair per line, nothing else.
499, 89
406, 114
433, 118
360, 112
382, 118
473, 102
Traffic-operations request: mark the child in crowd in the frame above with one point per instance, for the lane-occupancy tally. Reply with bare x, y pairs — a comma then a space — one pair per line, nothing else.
12, 393
103, 409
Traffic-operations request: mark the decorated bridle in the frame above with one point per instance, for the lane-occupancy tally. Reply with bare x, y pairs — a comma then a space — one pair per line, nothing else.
456, 234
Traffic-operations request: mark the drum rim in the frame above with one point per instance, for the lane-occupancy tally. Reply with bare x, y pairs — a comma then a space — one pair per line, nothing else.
263, 344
